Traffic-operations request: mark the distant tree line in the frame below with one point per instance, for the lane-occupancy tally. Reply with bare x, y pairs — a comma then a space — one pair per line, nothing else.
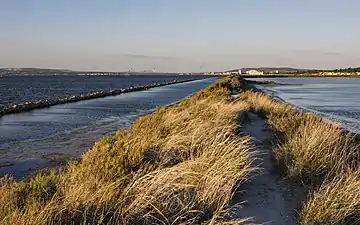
346, 70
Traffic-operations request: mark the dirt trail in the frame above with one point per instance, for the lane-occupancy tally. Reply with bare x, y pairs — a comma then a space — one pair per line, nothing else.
268, 198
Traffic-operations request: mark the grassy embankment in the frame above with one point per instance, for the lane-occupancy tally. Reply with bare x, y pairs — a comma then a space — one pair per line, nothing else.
317, 152
180, 165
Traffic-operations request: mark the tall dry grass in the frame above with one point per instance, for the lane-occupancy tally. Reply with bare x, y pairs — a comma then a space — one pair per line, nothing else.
318, 149
180, 165
192, 190
315, 150
336, 202
311, 147
18, 198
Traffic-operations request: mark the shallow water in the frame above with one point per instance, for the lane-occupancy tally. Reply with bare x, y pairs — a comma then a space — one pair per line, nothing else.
51, 136
20, 89
334, 98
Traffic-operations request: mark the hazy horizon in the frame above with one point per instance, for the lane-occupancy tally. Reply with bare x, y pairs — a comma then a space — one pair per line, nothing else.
175, 36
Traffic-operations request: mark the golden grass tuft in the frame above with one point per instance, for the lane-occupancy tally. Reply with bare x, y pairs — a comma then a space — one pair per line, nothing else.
317, 149
311, 148
336, 202
19, 198
194, 189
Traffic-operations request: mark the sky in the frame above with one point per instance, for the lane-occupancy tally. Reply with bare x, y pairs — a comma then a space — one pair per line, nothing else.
179, 35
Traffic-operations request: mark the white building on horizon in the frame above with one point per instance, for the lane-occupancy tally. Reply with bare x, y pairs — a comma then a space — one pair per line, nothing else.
254, 72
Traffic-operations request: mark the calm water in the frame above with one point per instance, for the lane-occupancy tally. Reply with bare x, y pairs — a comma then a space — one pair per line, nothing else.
19, 89
335, 98
51, 136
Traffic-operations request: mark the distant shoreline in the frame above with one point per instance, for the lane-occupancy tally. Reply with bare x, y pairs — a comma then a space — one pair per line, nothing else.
99, 74
197, 74
300, 76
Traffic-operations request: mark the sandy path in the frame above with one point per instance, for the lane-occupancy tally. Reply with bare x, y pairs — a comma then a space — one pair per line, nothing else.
267, 198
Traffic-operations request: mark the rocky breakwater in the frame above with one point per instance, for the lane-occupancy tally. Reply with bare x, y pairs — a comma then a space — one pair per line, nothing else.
30, 105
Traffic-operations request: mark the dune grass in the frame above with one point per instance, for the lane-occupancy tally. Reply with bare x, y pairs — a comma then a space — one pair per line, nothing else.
183, 163
311, 148
318, 152
179, 165
336, 202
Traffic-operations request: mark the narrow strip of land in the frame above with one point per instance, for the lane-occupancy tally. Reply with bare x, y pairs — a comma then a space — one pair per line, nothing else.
267, 198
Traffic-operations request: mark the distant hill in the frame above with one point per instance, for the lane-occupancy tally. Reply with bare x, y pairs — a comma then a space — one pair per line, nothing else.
271, 69
280, 69
33, 71
49, 72
62, 72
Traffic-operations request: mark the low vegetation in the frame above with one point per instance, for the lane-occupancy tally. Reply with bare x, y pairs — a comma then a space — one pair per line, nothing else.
180, 165
311, 147
336, 202
314, 151
183, 163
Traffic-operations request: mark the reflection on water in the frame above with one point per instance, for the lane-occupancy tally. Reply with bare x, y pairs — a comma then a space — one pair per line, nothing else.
51, 136
335, 98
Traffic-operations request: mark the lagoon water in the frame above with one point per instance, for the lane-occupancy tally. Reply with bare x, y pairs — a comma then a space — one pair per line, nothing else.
51, 136
334, 98
19, 89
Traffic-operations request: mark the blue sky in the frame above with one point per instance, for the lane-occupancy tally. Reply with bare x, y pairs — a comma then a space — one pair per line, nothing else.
179, 35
